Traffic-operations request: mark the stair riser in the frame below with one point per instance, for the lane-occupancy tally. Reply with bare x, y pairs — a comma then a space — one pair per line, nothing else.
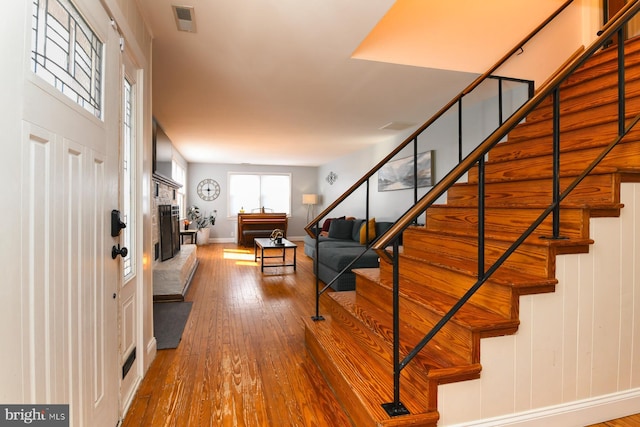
623, 156
593, 190
416, 274
340, 385
360, 372
381, 326
453, 337
533, 259
573, 222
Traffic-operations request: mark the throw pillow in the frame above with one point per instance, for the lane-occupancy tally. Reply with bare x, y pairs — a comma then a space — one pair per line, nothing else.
340, 229
327, 223
355, 234
364, 239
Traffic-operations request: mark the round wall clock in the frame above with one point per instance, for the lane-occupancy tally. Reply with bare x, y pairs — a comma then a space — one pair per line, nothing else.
208, 189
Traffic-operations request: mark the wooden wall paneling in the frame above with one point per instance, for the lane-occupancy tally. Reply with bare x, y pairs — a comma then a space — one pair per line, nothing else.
584, 363
500, 359
546, 354
606, 315
629, 231
524, 355
569, 288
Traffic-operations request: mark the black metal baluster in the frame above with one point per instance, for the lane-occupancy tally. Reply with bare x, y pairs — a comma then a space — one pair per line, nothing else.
396, 407
460, 130
315, 270
556, 163
481, 216
621, 83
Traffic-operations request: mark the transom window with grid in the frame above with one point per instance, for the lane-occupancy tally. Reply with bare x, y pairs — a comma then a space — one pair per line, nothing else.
66, 53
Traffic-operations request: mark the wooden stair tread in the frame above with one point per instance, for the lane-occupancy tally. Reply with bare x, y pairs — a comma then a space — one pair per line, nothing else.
537, 206
595, 189
533, 239
574, 221
576, 140
572, 164
362, 382
437, 364
602, 61
535, 255
470, 316
524, 282
534, 145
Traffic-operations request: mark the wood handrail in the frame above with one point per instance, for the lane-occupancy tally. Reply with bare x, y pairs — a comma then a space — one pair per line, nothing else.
443, 185
309, 227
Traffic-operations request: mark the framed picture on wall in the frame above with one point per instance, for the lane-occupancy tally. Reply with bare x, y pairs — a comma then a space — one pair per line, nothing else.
398, 174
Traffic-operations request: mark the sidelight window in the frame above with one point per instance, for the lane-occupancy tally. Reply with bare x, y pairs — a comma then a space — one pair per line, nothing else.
128, 179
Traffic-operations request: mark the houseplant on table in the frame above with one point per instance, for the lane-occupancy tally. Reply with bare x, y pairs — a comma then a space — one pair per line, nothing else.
202, 222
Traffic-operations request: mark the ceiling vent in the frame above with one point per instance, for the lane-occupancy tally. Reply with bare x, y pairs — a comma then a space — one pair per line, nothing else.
185, 18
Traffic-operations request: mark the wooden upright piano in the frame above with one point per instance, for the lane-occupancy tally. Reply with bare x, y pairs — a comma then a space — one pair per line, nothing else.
252, 225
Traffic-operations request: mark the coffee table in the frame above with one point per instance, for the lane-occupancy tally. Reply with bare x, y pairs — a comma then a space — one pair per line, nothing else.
266, 244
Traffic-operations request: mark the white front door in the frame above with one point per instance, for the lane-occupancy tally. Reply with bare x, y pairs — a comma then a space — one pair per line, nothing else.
69, 181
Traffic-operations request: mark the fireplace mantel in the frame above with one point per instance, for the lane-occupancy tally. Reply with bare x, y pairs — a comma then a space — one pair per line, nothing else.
167, 181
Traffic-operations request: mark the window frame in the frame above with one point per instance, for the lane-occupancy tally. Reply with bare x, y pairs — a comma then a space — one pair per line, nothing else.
232, 213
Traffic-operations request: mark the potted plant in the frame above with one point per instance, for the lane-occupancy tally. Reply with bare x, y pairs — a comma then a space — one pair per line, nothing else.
202, 223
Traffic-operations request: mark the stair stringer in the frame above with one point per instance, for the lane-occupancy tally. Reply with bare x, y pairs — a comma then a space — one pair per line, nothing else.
575, 348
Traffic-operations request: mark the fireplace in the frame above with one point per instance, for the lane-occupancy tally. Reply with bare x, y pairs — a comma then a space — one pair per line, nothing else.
169, 231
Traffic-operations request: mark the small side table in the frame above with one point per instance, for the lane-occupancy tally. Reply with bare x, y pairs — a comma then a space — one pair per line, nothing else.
192, 233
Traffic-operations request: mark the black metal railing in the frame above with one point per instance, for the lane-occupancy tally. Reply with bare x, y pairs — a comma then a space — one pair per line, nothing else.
391, 238
313, 227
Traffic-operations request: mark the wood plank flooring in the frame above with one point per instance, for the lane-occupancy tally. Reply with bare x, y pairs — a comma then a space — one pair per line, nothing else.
242, 359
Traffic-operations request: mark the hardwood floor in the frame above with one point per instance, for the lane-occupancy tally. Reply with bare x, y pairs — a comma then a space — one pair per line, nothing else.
632, 421
242, 359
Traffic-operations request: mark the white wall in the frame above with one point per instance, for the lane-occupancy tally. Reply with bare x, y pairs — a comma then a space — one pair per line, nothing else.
303, 180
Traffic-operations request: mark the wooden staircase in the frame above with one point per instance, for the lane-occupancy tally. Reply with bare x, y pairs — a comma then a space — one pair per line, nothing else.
438, 264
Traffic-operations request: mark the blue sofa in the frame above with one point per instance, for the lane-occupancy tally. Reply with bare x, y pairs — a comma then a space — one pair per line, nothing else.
341, 245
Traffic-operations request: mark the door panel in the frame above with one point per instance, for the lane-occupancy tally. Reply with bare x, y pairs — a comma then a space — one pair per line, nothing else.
69, 180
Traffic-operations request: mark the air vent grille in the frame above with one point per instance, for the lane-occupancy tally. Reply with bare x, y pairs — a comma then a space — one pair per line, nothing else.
185, 18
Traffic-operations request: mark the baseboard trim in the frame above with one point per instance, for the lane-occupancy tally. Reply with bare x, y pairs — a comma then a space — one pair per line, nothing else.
152, 350
578, 413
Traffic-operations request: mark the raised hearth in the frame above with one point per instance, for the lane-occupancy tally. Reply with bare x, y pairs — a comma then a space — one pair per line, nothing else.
172, 277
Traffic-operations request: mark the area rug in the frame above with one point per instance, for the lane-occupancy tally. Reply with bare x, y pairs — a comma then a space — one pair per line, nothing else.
169, 319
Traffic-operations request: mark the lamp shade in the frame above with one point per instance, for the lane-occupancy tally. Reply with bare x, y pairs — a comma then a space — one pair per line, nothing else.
309, 199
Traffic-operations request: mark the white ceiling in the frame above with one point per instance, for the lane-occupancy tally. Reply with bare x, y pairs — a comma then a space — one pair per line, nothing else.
274, 81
